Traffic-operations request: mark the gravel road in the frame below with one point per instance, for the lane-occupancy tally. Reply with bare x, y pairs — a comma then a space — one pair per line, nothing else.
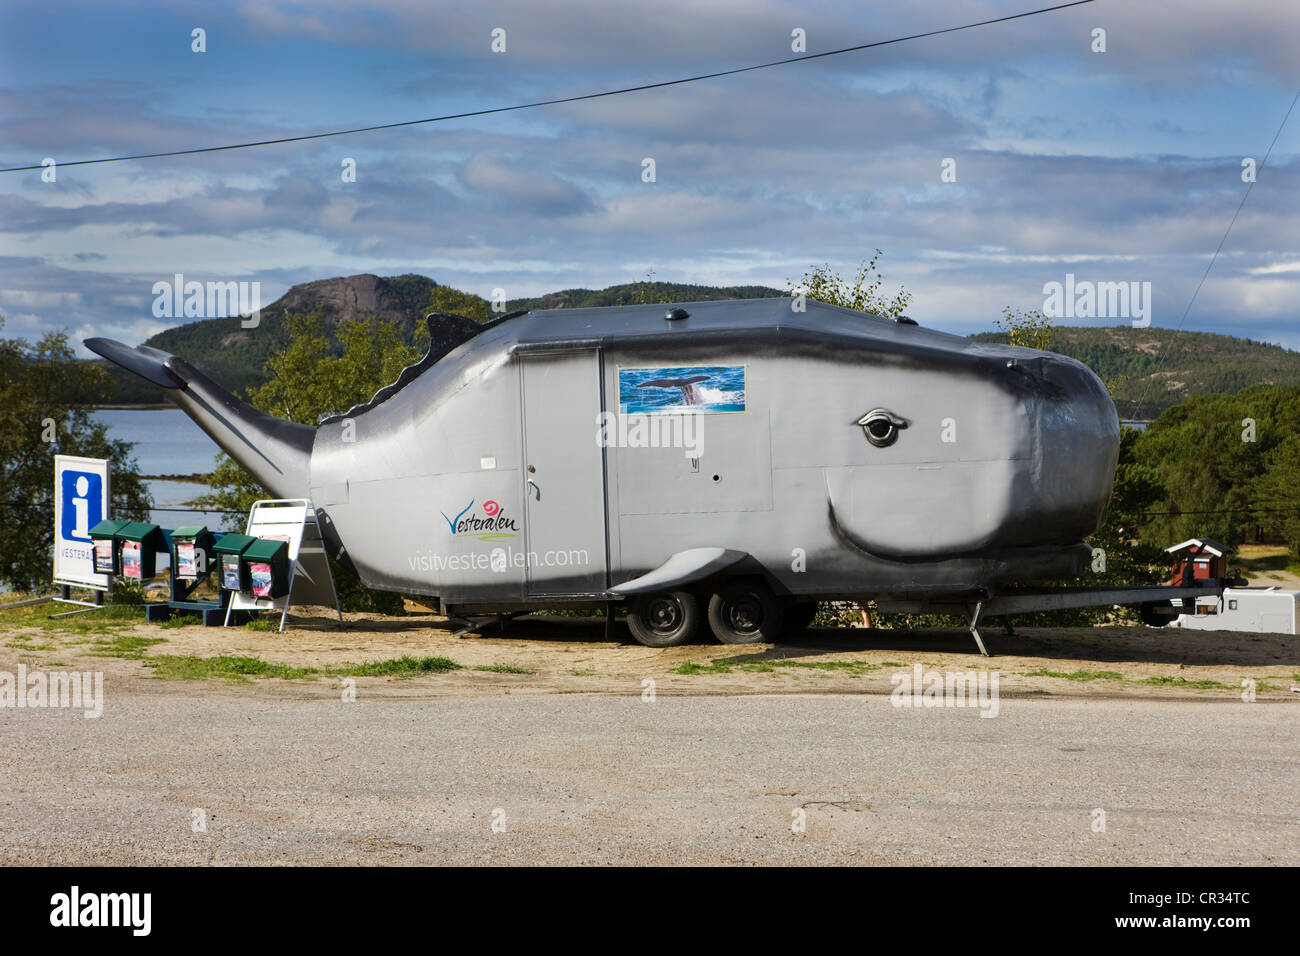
614, 779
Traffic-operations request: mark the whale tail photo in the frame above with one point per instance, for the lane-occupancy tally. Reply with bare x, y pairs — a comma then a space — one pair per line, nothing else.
690, 394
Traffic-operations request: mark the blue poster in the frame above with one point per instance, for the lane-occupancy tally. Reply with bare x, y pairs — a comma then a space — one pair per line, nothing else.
691, 388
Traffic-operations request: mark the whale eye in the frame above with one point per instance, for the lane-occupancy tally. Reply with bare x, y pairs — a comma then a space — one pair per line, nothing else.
881, 427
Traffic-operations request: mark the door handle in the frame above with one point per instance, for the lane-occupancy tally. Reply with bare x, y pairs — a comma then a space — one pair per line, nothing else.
535, 488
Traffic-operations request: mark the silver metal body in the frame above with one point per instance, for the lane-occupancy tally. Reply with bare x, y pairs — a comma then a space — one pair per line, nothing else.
511, 473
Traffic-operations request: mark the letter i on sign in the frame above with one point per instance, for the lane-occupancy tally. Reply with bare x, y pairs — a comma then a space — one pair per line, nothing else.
81, 508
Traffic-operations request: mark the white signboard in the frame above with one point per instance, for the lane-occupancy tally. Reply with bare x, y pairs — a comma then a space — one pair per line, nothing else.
81, 497
310, 579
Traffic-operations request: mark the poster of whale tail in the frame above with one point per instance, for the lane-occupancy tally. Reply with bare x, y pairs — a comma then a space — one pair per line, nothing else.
694, 388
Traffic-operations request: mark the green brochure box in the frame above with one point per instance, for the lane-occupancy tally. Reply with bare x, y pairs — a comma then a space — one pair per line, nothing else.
232, 572
191, 547
107, 547
139, 543
267, 561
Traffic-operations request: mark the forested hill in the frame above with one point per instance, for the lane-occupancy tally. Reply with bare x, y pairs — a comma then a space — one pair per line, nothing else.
1154, 367
236, 357
1149, 370
632, 293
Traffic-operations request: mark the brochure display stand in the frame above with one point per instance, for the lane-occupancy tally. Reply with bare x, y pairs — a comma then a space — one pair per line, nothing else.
303, 560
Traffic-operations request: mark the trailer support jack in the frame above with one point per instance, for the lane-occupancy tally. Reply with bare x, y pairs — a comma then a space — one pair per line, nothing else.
973, 620
472, 626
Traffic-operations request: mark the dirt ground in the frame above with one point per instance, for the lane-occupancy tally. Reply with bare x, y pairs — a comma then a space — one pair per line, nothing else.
564, 655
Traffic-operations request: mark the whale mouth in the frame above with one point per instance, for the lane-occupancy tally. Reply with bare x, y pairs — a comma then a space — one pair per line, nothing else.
881, 552
1056, 560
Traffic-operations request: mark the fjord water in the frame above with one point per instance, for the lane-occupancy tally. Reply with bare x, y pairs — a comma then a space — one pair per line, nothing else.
167, 442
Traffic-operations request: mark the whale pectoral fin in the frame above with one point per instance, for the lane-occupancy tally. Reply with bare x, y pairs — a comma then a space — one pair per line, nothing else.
684, 567
148, 363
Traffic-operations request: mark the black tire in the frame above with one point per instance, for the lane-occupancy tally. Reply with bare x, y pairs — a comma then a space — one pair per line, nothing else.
799, 616
745, 612
664, 619
1151, 613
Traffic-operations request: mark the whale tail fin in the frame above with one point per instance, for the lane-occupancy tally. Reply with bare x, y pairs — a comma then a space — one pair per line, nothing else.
674, 382
275, 452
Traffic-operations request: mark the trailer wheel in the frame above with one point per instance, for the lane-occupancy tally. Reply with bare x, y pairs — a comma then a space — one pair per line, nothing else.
743, 612
799, 616
664, 619
1157, 613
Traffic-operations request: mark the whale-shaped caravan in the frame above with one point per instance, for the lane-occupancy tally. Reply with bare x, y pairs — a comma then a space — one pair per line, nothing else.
731, 461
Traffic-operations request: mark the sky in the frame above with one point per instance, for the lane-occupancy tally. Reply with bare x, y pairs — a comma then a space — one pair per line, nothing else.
1114, 165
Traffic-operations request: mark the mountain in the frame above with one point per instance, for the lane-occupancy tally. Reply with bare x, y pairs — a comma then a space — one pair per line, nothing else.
1146, 370
236, 357
1149, 370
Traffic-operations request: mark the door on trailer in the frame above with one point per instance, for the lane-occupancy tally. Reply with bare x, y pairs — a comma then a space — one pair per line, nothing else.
564, 473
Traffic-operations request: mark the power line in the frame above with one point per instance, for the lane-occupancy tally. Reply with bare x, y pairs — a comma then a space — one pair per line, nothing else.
559, 100
1205, 275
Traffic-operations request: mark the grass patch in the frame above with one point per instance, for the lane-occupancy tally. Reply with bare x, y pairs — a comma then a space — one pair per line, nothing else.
1081, 675
1276, 561
691, 668
726, 665
262, 624
240, 668
100, 621
228, 667
1113, 675
504, 669
180, 620
1182, 682
892, 664
127, 646
583, 672
850, 667
404, 666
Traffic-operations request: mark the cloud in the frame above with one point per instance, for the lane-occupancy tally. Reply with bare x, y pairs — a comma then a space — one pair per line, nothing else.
522, 187
1123, 165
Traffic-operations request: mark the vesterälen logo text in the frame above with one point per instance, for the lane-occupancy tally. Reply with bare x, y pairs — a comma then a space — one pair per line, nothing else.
495, 523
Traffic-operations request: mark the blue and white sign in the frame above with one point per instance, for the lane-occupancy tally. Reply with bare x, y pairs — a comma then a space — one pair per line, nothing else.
81, 496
